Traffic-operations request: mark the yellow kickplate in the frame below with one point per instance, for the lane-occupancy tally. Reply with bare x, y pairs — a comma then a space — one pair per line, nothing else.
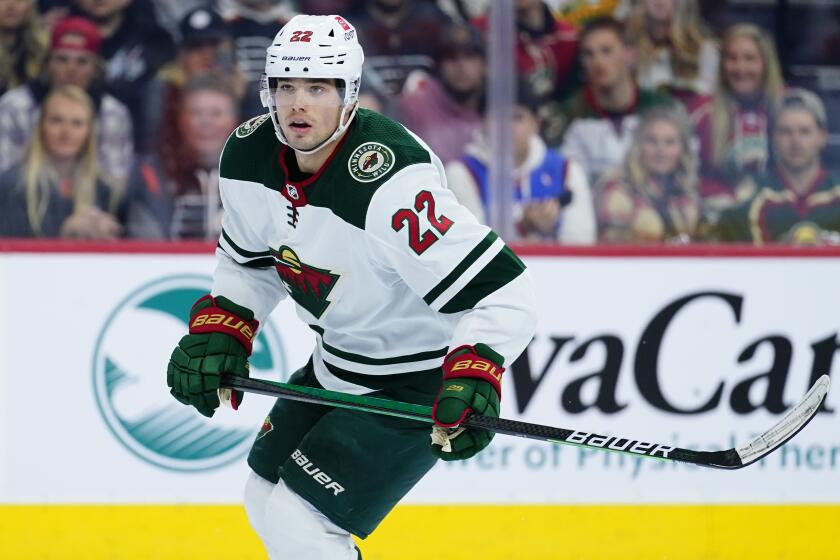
436, 532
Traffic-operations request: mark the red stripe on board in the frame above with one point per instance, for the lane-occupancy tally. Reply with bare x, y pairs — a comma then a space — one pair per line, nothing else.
204, 248
697, 250
126, 247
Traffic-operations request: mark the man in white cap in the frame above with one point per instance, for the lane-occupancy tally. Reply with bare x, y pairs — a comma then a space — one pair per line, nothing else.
412, 299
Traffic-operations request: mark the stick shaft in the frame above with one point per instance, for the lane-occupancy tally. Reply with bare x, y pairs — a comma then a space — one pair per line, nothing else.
719, 459
786, 428
313, 395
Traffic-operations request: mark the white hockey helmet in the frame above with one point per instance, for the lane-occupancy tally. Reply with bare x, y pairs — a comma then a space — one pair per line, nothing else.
315, 47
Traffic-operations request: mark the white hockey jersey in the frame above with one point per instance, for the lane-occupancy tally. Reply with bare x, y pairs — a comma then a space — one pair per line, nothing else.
382, 262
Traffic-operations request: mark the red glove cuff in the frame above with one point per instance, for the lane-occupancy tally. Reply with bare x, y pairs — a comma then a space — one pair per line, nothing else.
215, 319
470, 364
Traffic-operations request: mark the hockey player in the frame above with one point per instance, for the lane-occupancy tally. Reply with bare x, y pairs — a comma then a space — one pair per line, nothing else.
410, 297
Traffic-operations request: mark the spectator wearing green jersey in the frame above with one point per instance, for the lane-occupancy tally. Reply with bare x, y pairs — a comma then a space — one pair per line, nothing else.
797, 200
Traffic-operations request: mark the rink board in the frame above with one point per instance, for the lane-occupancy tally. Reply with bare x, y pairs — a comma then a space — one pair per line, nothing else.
681, 348
425, 532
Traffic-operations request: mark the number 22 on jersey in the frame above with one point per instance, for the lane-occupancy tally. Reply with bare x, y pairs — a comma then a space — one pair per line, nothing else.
411, 217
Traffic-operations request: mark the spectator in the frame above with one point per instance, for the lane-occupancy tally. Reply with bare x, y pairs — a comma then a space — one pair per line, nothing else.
600, 118
674, 52
553, 202
253, 25
73, 59
798, 201
398, 37
56, 190
443, 111
22, 44
546, 55
653, 197
732, 124
206, 47
134, 47
170, 13
174, 194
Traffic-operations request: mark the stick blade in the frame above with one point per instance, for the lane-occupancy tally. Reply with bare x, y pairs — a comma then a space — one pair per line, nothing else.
788, 426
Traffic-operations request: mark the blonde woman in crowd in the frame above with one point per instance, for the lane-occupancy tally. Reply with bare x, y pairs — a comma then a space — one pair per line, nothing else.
75, 59
653, 198
56, 191
674, 52
22, 44
732, 124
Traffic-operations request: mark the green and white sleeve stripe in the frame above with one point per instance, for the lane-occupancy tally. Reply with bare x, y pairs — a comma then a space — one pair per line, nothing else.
485, 269
253, 259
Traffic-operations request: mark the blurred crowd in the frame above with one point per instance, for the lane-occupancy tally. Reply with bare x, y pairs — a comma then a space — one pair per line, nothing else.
635, 121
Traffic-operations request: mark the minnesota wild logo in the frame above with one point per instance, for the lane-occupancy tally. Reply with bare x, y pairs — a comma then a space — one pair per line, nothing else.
249, 126
266, 428
370, 161
804, 233
308, 286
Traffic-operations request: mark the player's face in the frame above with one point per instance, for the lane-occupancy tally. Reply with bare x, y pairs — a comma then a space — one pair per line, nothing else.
606, 59
307, 110
798, 139
743, 67
661, 148
206, 120
13, 12
69, 67
66, 126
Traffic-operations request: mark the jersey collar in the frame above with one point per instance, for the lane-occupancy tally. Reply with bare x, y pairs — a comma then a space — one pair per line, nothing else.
295, 191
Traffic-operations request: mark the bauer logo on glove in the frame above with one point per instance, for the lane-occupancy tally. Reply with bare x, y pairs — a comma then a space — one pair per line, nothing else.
220, 341
471, 383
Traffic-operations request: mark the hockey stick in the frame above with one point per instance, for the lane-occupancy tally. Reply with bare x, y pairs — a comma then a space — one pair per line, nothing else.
735, 458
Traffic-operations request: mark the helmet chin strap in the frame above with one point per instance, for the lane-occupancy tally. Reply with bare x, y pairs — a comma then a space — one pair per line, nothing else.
338, 130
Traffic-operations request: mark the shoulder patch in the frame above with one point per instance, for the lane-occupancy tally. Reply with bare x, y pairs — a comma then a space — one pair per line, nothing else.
370, 161
249, 126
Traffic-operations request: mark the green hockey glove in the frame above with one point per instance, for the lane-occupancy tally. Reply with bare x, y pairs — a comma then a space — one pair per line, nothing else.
471, 383
220, 341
